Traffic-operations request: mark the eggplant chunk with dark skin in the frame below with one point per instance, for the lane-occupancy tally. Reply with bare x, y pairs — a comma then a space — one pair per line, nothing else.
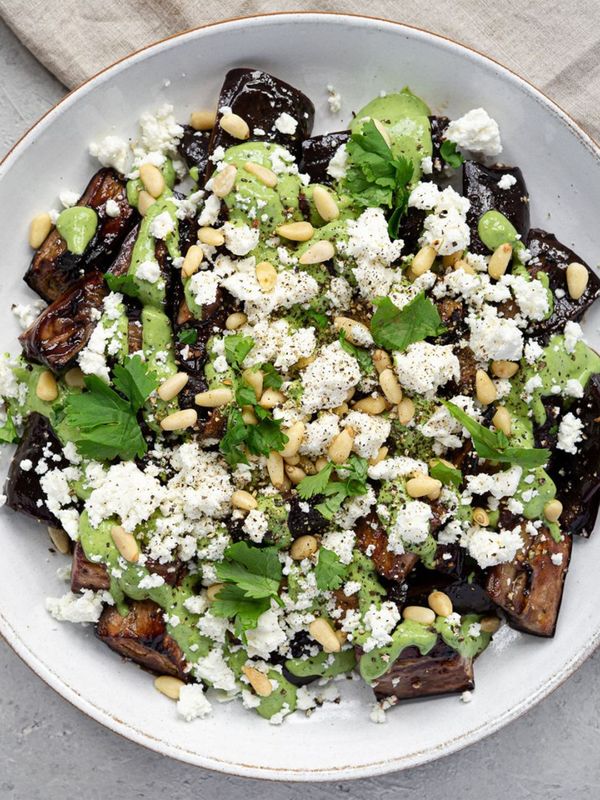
371, 537
63, 329
23, 488
442, 671
438, 127
548, 255
141, 636
54, 269
480, 187
317, 152
260, 99
529, 588
193, 148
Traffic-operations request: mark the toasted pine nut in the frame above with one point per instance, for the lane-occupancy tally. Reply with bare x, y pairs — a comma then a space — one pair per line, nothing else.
406, 410
390, 386
294, 473
224, 181
243, 500
381, 361
440, 603
423, 261
145, 200
419, 614
304, 547
321, 462
371, 405
235, 126
381, 454
191, 262
502, 420
485, 390
464, 266
504, 369
322, 632
450, 260
214, 398
249, 416
342, 410
382, 130
499, 261
577, 279
169, 686
340, 448
481, 517
266, 275
295, 434
180, 420
308, 466
275, 469
213, 590
172, 386
125, 543
258, 681
356, 332
271, 398
489, 624
326, 206
75, 378
296, 231
254, 378
264, 175
47, 388
203, 120
235, 321
422, 485
39, 227
318, 253
60, 539
552, 510
293, 461
211, 237
153, 180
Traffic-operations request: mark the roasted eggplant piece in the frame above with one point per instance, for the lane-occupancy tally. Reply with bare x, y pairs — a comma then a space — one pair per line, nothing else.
466, 590
480, 186
63, 328
371, 536
260, 99
550, 256
318, 151
577, 477
442, 671
529, 588
86, 574
23, 489
438, 129
193, 148
303, 517
54, 269
141, 636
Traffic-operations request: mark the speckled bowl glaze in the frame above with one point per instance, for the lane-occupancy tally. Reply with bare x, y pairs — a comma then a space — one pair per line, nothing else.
360, 57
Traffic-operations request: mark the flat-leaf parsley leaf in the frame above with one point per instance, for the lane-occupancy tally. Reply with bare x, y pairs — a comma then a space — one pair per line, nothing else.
396, 328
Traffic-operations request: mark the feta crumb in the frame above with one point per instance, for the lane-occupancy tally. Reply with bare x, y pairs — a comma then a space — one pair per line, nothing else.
192, 703
557, 559
506, 181
112, 208
570, 433
337, 167
334, 100
84, 607
148, 271
286, 124
476, 131
424, 367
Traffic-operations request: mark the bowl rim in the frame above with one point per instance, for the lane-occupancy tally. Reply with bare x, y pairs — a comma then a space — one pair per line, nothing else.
128, 731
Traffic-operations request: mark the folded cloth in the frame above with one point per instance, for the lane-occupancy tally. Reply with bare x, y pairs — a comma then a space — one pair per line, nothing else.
554, 45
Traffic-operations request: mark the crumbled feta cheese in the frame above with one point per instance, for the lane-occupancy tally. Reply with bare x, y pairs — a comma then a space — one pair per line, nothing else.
161, 226
533, 352
112, 151
148, 271
192, 703
84, 607
446, 227
210, 211
424, 367
127, 493
267, 636
506, 181
112, 208
572, 334
476, 131
286, 124
500, 484
410, 527
334, 100
256, 525
27, 314
240, 239
570, 433
67, 198
371, 432
380, 622
427, 165
214, 670
338, 165
369, 244
556, 559
530, 295
329, 378
203, 286
342, 544
319, 434
494, 337
397, 467
490, 547
573, 388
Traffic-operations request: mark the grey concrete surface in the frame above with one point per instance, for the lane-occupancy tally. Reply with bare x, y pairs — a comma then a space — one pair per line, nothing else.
50, 750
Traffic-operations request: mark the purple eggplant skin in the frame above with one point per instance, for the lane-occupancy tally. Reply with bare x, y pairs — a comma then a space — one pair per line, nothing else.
193, 148
318, 151
480, 186
86, 574
442, 671
141, 636
552, 257
63, 329
260, 99
438, 127
529, 589
54, 269
23, 489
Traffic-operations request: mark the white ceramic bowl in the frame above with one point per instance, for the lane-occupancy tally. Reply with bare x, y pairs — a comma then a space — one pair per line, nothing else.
360, 57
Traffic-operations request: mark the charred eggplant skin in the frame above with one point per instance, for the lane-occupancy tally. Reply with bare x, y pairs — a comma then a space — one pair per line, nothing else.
529, 589
193, 148
54, 269
438, 127
23, 488
552, 257
260, 99
318, 151
63, 329
141, 636
371, 537
480, 186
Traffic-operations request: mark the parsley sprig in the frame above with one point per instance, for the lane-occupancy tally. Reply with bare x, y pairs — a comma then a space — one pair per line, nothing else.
330, 571
395, 328
104, 421
365, 362
450, 154
351, 482
495, 445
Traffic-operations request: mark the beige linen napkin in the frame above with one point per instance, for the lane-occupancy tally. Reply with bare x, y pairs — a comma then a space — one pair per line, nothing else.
555, 45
